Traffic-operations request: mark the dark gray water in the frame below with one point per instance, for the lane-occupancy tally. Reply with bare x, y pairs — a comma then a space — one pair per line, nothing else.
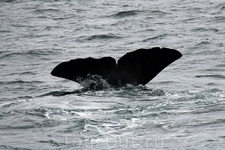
182, 108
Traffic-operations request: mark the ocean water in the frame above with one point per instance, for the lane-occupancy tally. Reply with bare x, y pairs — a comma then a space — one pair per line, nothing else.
182, 108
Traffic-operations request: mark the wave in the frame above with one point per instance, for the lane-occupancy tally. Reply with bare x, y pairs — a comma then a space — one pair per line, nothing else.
202, 29
161, 36
61, 93
128, 91
123, 14
219, 19
204, 124
6, 147
103, 36
35, 52
20, 82
8, 1
211, 76
46, 10
203, 43
158, 12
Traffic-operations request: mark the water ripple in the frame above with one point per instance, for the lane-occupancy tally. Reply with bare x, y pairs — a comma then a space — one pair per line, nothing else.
211, 76
103, 37
33, 53
123, 14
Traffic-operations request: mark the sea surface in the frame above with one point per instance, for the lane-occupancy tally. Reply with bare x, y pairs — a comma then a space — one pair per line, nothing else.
183, 108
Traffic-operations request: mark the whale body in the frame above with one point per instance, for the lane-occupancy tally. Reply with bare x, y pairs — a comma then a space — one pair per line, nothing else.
136, 67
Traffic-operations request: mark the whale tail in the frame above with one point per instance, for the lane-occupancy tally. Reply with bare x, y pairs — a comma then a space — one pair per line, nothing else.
79, 69
137, 67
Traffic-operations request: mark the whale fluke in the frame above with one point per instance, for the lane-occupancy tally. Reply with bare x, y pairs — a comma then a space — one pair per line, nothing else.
137, 67
79, 69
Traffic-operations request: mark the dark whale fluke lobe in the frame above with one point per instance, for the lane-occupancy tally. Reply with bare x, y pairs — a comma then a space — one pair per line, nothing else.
137, 67
78, 69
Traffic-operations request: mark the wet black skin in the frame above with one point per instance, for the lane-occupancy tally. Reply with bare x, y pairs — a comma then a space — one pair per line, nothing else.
136, 67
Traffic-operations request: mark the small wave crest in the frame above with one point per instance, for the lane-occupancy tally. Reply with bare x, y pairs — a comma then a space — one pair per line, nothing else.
46, 10
34, 52
211, 76
157, 37
103, 37
103, 89
123, 14
202, 29
8, 1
